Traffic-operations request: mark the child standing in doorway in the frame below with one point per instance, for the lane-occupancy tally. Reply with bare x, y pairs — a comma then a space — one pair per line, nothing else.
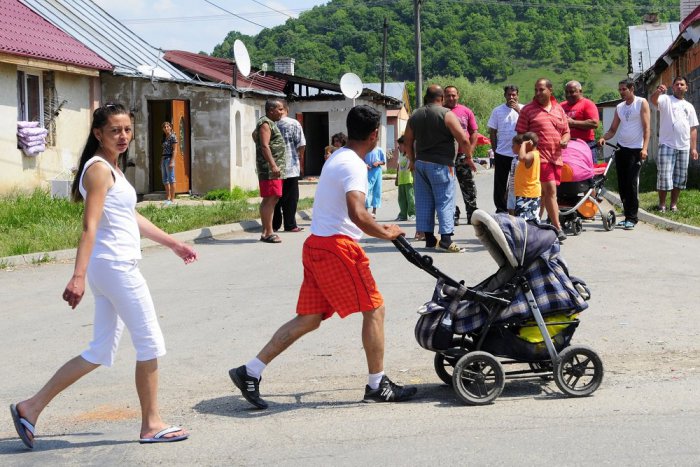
527, 177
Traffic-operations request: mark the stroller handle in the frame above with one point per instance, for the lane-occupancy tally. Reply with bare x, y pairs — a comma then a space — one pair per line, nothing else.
614, 146
425, 263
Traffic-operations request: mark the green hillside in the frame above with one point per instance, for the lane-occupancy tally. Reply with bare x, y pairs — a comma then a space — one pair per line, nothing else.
499, 41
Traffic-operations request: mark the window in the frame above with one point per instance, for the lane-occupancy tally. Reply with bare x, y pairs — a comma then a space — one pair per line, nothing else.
30, 97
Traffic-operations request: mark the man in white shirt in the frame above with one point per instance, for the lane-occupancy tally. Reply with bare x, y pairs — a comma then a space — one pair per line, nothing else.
678, 133
295, 146
337, 278
631, 124
501, 132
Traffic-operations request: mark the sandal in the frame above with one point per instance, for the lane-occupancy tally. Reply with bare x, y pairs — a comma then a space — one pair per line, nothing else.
274, 238
674, 208
661, 208
451, 248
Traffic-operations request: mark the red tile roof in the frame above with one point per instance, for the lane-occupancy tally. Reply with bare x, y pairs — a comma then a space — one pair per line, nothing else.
25, 33
220, 70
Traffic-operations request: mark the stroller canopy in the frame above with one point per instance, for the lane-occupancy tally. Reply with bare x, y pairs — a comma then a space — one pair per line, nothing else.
511, 240
577, 157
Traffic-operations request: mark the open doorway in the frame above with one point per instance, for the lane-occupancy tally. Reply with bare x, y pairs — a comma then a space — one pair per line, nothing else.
316, 134
176, 112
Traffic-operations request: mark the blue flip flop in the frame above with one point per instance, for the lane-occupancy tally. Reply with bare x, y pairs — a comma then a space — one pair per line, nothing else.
160, 436
22, 426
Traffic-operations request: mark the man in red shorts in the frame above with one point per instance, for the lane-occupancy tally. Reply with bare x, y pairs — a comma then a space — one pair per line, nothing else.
545, 117
270, 153
337, 278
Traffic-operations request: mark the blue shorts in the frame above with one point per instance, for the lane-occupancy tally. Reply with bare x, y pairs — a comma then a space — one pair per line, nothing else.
167, 171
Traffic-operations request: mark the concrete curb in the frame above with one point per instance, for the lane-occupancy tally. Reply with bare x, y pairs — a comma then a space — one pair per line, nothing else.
653, 219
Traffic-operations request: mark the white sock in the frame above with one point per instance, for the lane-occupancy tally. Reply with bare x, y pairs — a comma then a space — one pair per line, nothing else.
374, 379
254, 368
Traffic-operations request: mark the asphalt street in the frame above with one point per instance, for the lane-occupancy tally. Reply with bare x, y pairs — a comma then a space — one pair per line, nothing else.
218, 312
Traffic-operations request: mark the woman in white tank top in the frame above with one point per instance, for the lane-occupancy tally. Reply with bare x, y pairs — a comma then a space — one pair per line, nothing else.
107, 255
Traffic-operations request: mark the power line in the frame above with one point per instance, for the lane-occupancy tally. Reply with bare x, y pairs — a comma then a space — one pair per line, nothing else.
234, 14
278, 11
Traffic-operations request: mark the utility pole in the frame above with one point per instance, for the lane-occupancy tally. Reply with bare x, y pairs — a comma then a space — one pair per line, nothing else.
386, 27
419, 65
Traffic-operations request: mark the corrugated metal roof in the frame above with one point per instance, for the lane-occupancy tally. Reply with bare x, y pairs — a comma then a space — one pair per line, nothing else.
648, 42
25, 33
104, 35
393, 89
220, 70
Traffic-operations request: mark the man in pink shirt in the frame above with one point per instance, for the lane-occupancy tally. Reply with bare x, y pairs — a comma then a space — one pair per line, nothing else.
545, 117
583, 116
464, 165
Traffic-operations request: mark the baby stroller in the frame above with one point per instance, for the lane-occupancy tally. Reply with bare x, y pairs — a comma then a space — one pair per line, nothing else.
581, 190
526, 314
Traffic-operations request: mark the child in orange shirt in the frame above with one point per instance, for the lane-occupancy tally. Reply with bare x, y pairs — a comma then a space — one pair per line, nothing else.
527, 177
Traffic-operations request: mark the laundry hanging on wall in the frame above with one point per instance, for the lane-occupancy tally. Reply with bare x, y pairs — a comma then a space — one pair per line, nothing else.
31, 138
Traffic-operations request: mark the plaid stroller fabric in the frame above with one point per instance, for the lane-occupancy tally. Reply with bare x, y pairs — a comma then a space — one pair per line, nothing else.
537, 251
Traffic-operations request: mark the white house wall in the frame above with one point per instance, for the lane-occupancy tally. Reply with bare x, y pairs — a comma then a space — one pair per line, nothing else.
242, 148
18, 171
337, 114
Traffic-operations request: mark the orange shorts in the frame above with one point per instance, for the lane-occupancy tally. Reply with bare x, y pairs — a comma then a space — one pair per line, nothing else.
337, 278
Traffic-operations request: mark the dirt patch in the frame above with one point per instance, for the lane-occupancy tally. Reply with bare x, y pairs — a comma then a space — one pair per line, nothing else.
107, 413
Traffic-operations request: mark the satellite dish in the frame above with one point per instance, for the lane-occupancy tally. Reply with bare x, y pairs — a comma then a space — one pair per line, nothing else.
351, 85
153, 71
240, 55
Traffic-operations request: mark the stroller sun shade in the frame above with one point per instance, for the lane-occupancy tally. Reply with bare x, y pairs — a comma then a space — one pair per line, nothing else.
511, 240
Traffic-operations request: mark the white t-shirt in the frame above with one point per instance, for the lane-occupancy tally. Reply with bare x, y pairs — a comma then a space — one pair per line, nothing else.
343, 172
630, 133
677, 117
503, 119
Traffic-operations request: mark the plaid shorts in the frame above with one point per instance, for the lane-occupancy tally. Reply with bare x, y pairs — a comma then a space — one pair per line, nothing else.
672, 168
337, 278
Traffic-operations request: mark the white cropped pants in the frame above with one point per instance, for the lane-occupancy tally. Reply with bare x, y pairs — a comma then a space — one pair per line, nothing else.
122, 299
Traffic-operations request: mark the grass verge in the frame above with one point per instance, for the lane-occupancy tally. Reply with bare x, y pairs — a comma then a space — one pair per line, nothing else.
688, 203
31, 223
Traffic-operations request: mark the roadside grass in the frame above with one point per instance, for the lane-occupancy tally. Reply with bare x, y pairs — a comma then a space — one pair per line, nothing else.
688, 203
35, 222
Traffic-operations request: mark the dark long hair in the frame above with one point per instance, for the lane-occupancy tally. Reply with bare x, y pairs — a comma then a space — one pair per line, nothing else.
99, 120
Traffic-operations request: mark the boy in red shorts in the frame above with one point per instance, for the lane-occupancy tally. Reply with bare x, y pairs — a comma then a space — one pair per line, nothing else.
337, 278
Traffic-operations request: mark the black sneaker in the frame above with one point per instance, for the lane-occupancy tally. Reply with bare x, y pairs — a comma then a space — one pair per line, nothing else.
389, 392
561, 236
249, 386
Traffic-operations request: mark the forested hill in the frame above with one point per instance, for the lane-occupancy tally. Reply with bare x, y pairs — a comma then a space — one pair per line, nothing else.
489, 39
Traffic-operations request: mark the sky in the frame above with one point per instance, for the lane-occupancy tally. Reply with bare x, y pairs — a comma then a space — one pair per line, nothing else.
198, 25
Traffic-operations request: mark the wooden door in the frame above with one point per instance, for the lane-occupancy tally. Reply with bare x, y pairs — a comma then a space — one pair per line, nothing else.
181, 127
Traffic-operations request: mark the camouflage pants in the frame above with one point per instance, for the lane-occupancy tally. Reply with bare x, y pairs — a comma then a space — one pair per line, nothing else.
465, 178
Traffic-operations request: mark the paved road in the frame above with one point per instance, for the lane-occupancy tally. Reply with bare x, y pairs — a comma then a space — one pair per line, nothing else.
217, 312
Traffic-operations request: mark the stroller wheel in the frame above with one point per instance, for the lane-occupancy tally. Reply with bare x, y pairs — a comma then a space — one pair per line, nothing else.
579, 371
478, 378
444, 366
578, 226
444, 362
609, 220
